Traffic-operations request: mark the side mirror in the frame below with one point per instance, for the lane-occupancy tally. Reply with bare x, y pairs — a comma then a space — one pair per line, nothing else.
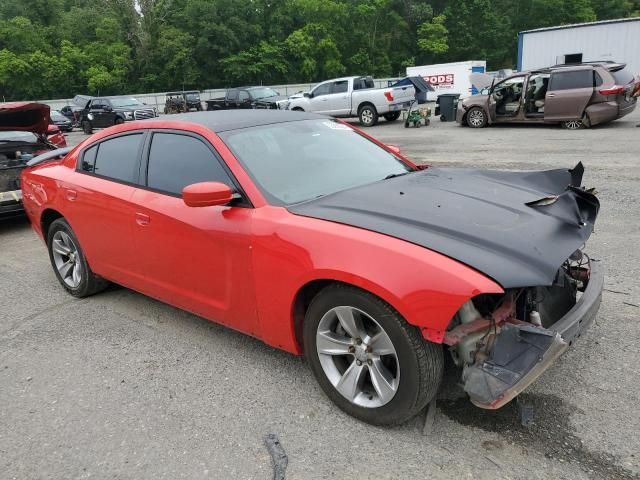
307, 95
484, 91
206, 194
395, 149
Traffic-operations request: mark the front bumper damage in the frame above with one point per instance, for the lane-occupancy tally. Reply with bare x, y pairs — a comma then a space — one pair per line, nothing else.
510, 354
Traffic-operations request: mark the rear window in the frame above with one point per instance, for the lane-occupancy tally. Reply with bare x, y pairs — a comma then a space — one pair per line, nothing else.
571, 79
622, 77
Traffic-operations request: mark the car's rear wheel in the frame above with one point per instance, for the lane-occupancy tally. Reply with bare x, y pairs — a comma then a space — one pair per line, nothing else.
476, 118
391, 116
573, 124
69, 263
86, 127
368, 115
367, 359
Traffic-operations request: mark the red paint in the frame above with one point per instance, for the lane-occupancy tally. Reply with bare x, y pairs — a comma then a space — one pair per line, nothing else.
242, 267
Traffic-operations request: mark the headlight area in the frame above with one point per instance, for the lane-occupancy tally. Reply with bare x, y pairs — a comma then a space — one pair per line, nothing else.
503, 343
128, 115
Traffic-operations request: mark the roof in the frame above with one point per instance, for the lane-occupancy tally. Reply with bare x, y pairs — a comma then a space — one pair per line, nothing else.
225, 120
578, 25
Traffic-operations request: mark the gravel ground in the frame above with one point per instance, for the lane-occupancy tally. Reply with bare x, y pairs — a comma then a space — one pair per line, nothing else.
121, 386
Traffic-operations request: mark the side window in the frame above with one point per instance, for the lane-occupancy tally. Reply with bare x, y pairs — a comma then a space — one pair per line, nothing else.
176, 161
118, 158
89, 159
97, 103
323, 89
340, 87
232, 95
597, 79
572, 79
243, 96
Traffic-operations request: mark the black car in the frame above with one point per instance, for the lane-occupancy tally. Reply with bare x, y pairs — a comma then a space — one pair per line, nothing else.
102, 112
74, 111
247, 97
63, 123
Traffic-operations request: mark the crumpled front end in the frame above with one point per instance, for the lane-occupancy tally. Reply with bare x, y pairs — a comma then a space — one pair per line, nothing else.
503, 343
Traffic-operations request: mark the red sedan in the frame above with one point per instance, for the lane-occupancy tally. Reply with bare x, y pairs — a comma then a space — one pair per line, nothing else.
312, 236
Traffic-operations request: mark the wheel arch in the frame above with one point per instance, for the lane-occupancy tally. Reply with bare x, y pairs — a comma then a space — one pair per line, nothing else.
48, 216
364, 104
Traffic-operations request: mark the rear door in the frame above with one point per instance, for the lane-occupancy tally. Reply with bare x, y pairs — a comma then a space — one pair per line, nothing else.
196, 258
339, 98
99, 208
568, 94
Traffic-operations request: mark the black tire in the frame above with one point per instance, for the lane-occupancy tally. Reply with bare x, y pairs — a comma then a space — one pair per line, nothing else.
86, 127
443, 118
476, 118
420, 362
297, 109
391, 116
368, 115
118, 121
90, 283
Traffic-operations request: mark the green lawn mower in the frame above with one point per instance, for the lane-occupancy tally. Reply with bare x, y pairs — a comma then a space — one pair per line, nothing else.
416, 116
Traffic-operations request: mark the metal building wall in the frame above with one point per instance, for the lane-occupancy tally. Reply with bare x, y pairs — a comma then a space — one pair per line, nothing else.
616, 40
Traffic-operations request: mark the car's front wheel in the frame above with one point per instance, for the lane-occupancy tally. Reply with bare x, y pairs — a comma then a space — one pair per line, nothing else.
367, 359
476, 118
69, 263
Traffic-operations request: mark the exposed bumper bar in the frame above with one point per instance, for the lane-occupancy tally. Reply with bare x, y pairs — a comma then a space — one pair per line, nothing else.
522, 352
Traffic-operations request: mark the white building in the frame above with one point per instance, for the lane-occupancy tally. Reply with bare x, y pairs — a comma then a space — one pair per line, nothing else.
612, 40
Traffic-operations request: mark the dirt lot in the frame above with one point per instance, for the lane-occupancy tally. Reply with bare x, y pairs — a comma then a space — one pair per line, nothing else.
121, 386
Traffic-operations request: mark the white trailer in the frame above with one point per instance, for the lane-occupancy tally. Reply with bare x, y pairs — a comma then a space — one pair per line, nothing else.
449, 77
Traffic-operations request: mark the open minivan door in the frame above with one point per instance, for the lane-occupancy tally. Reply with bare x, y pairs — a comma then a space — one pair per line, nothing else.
568, 95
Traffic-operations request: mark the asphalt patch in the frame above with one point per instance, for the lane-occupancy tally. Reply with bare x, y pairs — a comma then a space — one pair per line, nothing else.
550, 432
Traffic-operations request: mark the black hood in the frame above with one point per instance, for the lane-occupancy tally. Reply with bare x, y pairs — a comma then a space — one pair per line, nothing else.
516, 227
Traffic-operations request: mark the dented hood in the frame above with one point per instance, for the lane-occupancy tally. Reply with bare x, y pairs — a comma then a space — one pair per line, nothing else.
24, 117
516, 227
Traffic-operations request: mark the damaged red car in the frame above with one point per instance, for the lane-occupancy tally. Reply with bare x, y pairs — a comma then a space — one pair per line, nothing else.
26, 130
315, 238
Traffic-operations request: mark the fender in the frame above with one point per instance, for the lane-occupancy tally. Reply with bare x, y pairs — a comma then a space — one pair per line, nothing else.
425, 287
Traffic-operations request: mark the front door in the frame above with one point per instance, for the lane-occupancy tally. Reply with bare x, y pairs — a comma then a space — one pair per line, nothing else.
339, 98
320, 98
102, 113
568, 94
196, 258
505, 101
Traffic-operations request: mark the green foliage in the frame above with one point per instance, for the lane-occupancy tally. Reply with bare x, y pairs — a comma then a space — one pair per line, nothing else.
58, 48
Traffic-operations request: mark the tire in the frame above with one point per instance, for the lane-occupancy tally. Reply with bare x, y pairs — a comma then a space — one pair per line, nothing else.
118, 121
412, 367
443, 118
476, 118
573, 125
86, 127
391, 116
69, 263
368, 115
297, 109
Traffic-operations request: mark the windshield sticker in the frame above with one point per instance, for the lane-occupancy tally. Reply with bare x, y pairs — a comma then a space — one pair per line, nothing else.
337, 126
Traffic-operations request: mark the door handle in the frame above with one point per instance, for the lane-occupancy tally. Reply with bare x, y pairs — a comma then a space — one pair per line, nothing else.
551, 95
71, 195
142, 219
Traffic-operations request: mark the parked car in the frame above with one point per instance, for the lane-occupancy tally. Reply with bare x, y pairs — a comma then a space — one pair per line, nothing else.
101, 112
61, 121
312, 236
74, 110
247, 97
575, 96
355, 97
177, 102
24, 132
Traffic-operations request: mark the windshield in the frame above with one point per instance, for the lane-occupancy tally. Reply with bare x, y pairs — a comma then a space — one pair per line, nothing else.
258, 93
297, 161
125, 102
18, 137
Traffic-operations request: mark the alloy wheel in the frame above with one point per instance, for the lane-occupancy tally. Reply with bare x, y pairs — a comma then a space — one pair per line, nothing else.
367, 116
573, 125
476, 118
358, 357
66, 259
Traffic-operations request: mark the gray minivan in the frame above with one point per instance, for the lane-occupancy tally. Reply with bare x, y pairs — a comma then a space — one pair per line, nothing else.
575, 96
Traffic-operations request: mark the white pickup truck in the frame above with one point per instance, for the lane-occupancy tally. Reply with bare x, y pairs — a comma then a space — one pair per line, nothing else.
354, 97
